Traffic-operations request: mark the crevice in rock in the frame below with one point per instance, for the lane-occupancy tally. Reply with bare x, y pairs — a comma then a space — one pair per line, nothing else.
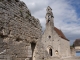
17, 0
18, 39
9, 0
3, 36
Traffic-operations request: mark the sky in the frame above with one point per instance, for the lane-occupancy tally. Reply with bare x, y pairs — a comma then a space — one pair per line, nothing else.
66, 15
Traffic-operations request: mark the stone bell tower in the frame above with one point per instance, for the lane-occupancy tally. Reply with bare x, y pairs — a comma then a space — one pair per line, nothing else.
47, 38
49, 19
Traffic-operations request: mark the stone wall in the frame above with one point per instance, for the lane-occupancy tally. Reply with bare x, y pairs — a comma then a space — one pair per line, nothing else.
60, 47
73, 52
65, 48
18, 29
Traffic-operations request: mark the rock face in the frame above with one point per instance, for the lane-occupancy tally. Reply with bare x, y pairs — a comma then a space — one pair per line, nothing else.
16, 21
20, 32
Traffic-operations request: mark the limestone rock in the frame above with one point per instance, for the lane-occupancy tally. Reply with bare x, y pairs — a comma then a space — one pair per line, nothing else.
18, 28
16, 21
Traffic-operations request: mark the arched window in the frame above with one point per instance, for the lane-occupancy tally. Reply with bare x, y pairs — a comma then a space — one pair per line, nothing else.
56, 51
50, 52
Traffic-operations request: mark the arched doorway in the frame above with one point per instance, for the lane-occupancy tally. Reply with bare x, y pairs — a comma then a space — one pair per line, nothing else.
33, 48
50, 52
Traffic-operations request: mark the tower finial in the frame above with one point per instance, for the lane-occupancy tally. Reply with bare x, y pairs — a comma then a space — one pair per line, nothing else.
49, 11
49, 17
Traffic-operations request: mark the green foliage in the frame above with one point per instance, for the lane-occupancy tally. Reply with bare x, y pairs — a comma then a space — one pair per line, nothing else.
72, 46
27, 16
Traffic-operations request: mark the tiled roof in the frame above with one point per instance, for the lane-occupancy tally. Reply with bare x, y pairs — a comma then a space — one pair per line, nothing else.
77, 42
60, 33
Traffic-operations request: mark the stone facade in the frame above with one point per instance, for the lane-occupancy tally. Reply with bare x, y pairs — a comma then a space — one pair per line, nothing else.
51, 39
20, 32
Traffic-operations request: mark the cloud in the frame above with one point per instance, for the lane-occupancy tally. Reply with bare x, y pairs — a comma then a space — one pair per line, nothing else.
65, 15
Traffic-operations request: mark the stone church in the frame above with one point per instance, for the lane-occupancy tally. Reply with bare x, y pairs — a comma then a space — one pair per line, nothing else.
21, 35
53, 39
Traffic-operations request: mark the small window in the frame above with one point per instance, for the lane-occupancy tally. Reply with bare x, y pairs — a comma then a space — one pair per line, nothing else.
49, 36
56, 51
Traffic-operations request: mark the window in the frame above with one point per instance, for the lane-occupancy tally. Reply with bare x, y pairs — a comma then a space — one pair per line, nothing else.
49, 36
56, 51
50, 52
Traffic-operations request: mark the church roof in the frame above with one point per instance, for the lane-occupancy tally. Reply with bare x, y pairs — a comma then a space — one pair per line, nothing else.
77, 42
60, 33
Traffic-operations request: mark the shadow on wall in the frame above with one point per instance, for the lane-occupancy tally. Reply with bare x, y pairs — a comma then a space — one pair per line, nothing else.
30, 58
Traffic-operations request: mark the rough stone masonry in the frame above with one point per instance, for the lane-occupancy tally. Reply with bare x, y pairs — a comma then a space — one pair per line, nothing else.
19, 31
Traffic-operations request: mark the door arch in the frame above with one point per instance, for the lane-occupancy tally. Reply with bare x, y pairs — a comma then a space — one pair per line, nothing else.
33, 45
50, 50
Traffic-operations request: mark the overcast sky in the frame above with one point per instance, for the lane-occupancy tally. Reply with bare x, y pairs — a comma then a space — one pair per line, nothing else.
66, 15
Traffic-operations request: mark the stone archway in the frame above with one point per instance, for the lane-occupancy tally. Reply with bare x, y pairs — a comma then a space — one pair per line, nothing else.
33, 45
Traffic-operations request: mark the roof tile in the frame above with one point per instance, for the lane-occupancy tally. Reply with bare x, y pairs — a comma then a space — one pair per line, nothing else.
60, 33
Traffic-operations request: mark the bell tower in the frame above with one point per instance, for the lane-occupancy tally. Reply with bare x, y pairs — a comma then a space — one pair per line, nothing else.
49, 18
